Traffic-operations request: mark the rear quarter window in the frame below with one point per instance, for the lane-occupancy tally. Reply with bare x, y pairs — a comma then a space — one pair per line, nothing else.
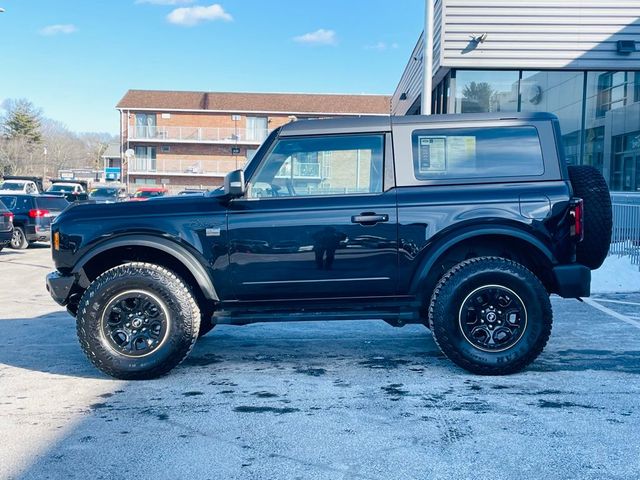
16, 203
472, 153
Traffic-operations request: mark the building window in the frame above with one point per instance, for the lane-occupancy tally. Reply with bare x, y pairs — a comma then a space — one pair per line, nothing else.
165, 149
256, 128
146, 125
613, 90
145, 181
486, 91
251, 153
560, 93
625, 168
145, 159
612, 125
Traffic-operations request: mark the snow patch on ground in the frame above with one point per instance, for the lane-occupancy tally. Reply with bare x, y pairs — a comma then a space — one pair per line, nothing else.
616, 275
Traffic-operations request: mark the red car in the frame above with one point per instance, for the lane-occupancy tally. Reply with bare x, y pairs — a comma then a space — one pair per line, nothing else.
145, 193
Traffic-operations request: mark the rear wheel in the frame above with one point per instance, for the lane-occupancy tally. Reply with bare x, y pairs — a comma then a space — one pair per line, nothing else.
137, 321
19, 239
490, 316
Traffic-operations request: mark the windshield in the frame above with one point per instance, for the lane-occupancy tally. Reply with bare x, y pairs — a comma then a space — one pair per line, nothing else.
12, 186
61, 188
148, 194
103, 193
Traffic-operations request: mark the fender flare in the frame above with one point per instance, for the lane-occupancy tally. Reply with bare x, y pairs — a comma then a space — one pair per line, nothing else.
170, 247
455, 237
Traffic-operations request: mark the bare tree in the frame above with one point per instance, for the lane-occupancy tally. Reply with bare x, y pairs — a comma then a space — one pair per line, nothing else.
22, 145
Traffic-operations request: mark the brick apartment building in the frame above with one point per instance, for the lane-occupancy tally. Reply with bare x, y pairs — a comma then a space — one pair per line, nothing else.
192, 139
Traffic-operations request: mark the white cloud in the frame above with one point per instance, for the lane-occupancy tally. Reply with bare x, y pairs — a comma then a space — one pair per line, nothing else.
59, 29
381, 46
190, 16
319, 37
166, 2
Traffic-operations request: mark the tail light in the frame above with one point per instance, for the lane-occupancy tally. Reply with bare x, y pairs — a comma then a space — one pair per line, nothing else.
8, 216
577, 212
38, 213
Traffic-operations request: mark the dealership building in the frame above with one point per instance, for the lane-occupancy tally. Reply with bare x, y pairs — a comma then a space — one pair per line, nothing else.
579, 59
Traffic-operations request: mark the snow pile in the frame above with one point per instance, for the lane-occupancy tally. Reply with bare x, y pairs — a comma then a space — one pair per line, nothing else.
617, 274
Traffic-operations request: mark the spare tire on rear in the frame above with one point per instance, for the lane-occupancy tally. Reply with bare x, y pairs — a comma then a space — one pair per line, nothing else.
589, 184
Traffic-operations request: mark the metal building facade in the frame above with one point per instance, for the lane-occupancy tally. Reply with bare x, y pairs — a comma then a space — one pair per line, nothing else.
579, 59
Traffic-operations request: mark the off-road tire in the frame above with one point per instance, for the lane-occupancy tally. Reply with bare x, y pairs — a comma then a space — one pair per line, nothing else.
182, 330
589, 184
19, 239
463, 279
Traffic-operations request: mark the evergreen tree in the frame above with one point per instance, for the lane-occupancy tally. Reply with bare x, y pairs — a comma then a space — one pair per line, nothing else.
22, 120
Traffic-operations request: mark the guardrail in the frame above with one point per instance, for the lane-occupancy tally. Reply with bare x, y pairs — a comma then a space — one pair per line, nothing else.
625, 238
197, 134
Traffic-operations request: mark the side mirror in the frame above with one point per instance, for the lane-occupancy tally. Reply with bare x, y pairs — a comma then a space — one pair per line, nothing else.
234, 184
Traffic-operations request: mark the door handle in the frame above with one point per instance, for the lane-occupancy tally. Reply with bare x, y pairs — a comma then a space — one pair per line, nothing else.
369, 218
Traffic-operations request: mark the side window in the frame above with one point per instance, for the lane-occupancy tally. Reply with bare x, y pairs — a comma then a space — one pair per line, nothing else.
329, 165
467, 153
10, 202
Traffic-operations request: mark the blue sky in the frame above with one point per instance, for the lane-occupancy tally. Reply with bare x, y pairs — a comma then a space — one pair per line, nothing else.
76, 58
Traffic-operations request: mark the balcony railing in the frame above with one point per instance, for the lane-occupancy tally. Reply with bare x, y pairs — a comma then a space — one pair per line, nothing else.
154, 166
300, 170
197, 134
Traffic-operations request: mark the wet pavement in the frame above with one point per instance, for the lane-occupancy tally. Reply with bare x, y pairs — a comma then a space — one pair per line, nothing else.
325, 400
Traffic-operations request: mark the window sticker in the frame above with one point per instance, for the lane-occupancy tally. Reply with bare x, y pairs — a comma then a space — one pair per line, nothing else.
461, 151
432, 154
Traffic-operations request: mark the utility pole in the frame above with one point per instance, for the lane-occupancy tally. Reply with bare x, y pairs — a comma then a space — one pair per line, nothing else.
427, 59
44, 162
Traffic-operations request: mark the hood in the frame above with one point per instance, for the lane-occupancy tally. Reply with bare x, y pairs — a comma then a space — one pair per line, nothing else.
162, 206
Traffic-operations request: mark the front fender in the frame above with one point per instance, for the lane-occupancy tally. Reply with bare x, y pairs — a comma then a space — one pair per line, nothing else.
166, 245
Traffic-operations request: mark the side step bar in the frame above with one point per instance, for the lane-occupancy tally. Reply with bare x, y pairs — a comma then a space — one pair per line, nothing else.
397, 318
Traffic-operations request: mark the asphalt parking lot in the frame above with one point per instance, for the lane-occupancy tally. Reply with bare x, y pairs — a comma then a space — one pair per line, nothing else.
345, 400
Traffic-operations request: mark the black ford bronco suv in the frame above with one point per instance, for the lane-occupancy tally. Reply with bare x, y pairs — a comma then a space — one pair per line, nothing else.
465, 223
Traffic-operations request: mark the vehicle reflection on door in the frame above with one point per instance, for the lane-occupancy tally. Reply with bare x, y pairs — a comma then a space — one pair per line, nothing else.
326, 242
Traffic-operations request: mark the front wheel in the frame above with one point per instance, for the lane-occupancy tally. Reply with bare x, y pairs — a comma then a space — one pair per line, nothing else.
490, 316
137, 321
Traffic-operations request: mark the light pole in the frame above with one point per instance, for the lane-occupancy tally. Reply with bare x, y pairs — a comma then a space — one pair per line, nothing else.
427, 60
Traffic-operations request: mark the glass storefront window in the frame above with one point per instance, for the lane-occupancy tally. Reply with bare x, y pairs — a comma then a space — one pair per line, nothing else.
612, 127
599, 112
559, 93
486, 91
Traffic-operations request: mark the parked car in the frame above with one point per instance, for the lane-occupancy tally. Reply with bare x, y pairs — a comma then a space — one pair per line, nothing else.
107, 194
32, 217
463, 223
6, 226
26, 185
145, 193
73, 191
